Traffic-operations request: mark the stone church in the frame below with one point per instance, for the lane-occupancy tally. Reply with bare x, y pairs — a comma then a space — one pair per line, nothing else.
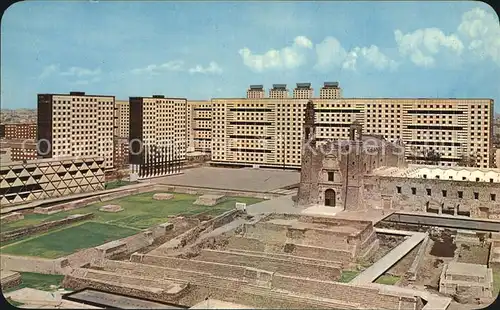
332, 172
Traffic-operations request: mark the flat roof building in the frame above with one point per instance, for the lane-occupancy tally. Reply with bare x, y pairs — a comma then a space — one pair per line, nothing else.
330, 90
303, 91
279, 91
256, 92
158, 139
76, 124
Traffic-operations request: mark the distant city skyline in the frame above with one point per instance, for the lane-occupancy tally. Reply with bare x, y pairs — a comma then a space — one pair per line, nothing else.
210, 49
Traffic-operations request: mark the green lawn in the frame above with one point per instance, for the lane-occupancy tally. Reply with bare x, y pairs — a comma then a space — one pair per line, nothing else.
140, 211
387, 279
68, 240
37, 281
116, 184
348, 275
496, 281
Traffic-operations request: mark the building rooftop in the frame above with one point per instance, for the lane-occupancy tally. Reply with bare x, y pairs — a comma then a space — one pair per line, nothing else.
465, 269
256, 87
279, 86
331, 85
304, 85
491, 175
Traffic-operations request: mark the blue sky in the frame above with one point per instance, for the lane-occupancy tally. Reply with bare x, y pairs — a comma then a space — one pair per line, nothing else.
202, 50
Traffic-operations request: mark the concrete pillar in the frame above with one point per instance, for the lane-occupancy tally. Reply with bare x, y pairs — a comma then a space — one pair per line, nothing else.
440, 209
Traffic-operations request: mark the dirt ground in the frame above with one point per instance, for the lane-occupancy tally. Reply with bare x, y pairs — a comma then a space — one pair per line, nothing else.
473, 254
440, 250
387, 243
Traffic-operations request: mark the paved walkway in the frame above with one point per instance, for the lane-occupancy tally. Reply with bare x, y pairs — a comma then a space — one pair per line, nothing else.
386, 262
434, 302
282, 204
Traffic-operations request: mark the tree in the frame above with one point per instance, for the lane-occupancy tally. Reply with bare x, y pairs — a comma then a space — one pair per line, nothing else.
468, 161
119, 176
432, 157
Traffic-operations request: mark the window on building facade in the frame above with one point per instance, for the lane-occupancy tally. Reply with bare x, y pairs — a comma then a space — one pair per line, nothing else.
444, 193
476, 196
398, 189
429, 192
413, 191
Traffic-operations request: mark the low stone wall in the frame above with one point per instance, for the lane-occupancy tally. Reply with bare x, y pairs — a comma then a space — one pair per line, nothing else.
366, 297
213, 191
412, 272
11, 217
35, 229
9, 279
319, 253
282, 266
248, 244
222, 270
494, 258
130, 244
80, 203
35, 264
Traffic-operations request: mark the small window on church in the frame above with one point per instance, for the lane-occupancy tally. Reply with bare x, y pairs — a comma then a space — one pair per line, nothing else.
330, 176
399, 189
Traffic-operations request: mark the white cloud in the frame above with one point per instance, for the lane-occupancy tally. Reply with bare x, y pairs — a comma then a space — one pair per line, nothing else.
482, 31
87, 82
372, 56
422, 45
303, 42
175, 65
330, 54
79, 72
287, 58
212, 68
48, 71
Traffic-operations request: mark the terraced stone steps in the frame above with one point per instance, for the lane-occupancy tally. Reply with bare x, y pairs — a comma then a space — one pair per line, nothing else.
298, 259
166, 286
279, 265
227, 288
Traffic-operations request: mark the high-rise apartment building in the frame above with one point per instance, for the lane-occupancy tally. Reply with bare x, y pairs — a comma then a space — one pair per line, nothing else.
20, 131
122, 116
330, 90
256, 92
76, 124
199, 125
157, 135
279, 91
303, 91
267, 131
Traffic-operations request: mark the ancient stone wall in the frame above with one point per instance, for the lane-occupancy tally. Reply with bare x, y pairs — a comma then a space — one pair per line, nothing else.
366, 297
43, 227
211, 191
279, 265
483, 206
35, 264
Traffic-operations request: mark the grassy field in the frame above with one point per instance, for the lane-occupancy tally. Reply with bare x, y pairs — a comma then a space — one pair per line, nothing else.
116, 184
496, 281
348, 275
387, 279
140, 212
68, 240
37, 281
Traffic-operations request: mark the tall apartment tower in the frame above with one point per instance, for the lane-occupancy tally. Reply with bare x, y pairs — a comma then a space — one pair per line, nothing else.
157, 135
122, 116
330, 90
256, 92
199, 125
76, 124
303, 91
279, 91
